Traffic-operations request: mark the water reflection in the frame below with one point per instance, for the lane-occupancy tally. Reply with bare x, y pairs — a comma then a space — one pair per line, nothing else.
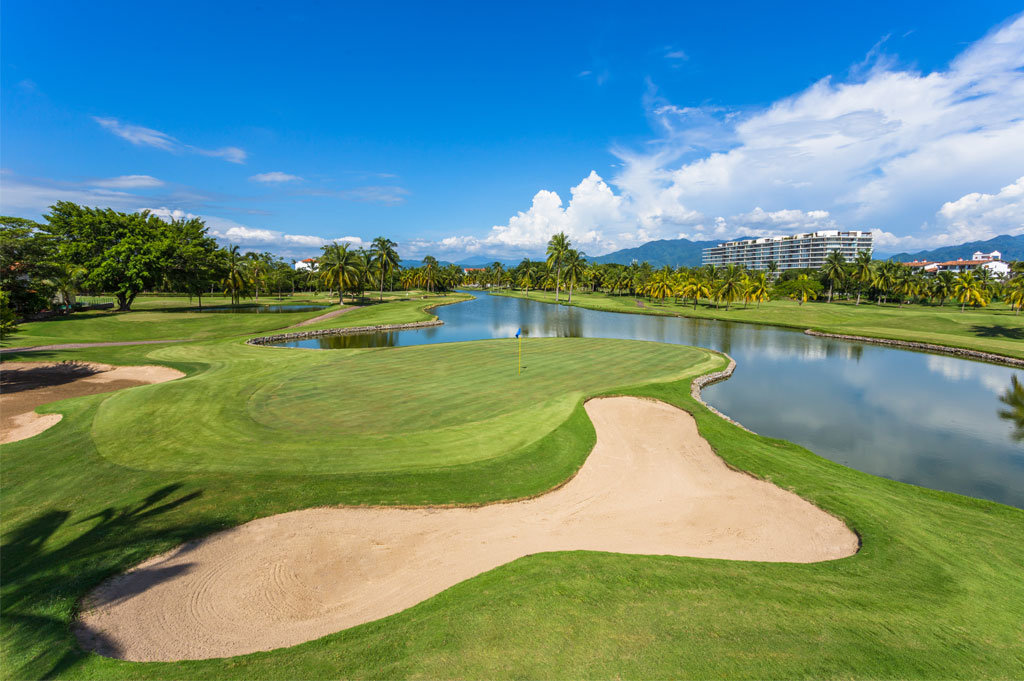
929, 420
1014, 398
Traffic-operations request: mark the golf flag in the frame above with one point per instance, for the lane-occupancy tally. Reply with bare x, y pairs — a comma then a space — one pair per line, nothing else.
519, 351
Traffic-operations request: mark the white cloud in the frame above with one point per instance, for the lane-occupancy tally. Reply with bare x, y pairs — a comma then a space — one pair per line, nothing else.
128, 182
274, 177
389, 194
888, 150
147, 137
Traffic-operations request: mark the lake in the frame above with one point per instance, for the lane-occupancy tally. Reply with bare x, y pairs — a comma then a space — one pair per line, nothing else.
926, 419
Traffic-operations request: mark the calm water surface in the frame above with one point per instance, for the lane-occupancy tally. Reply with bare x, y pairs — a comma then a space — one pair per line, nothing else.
925, 419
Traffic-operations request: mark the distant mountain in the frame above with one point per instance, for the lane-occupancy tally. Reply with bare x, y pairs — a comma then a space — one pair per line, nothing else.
1011, 248
672, 252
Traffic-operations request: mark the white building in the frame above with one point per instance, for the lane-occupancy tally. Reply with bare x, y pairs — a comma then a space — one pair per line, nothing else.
789, 252
985, 261
308, 264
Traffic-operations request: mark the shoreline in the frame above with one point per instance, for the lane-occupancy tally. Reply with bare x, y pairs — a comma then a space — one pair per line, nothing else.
704, 380
268, 341
965, 353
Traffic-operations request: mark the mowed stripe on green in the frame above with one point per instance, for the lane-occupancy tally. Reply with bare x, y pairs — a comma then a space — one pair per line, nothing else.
300, 411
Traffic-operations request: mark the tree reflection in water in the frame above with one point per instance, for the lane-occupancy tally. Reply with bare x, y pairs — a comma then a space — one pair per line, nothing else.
1014, 398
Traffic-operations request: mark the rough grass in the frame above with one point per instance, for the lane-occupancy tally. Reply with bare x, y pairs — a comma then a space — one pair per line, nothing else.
936, 591
995, 329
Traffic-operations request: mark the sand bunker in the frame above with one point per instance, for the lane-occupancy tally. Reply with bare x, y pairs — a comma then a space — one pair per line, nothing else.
652, 485
27, 385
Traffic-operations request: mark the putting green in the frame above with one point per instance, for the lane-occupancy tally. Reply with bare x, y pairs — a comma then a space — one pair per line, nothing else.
302, 411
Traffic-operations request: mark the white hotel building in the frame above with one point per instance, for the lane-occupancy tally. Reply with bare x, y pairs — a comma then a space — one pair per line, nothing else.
790, 252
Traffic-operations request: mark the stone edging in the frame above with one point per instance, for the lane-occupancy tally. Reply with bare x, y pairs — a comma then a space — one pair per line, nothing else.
353, 330
928, 347
707, 379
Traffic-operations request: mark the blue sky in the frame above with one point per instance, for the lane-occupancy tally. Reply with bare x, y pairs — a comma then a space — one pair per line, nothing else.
478, 129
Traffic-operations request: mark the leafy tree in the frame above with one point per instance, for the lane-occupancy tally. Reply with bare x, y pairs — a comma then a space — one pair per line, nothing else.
26, 257
192, 261
120, 251
801, 289
8, 324
66, 281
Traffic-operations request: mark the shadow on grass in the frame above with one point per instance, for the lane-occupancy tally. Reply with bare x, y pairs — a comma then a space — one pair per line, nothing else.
998, 331
49, 562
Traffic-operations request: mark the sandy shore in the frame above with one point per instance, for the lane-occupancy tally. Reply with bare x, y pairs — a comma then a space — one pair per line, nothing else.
27, 385
652, 485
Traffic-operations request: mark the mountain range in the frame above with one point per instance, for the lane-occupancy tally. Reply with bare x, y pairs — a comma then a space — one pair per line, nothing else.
1010, 247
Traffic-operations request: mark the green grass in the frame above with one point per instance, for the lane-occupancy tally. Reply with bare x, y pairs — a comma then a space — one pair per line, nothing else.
400, 311
367, 410
175, 318
935, 592
994, 329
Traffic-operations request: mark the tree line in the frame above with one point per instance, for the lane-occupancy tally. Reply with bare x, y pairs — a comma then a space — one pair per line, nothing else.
862, 278
77, 249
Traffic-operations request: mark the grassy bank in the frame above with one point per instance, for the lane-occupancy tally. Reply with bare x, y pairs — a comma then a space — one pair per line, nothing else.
174, 318
994, 329
935, 592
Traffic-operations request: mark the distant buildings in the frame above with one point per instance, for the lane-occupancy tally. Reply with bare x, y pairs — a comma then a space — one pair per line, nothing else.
988, 261
308, 264
470, 270
789, 252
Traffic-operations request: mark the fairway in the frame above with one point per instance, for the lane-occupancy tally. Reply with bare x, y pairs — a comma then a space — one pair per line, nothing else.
295, 411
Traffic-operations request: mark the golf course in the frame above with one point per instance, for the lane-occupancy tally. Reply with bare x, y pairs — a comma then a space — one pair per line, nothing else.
171, 484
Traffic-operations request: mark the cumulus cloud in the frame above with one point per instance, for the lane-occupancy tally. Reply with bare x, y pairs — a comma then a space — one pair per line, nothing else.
888, 149
141, 136
275, 177
128, 182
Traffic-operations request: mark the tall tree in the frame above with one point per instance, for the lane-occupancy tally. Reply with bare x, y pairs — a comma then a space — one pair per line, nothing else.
863, 272
339, 268
575, 266
27, 254
558, 247
834, 270
385, 256
121, 252
234, 280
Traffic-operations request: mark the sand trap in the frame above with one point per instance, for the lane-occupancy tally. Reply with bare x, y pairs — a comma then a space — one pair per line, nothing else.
652, 485
27, 385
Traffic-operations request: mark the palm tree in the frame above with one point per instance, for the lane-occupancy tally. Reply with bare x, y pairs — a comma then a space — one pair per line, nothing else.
67, 281
773, 270
863, 271
339, 268
386, 257
834, 270
575, 267
906, 284
731, 286
558, 247
234, 278
429, 273
526, 280
803, 290
757, 288
885, 279
942, 286
257, 275
1015, 292
967, 289
1014, 399
695, 287
661, 285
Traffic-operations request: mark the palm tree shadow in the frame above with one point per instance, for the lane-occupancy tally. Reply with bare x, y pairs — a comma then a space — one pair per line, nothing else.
998, 331
16, 379
47, 564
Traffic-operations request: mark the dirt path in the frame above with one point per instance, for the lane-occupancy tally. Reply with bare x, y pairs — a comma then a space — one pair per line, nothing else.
27, 385
324, 317
79, 346
652, 485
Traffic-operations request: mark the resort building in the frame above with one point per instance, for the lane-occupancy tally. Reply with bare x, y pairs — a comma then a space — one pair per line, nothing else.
986, 261
307, 264
789, 252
